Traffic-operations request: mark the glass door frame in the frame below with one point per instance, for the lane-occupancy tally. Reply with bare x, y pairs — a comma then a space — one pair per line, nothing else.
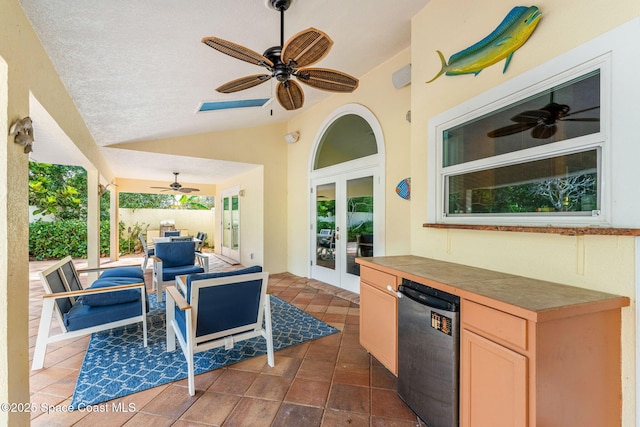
372, 165
339, 276
231, 252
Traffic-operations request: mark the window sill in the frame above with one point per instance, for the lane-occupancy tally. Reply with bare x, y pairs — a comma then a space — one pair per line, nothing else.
565, 231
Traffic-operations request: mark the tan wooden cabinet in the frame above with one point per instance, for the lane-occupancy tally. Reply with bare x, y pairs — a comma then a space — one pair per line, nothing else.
493, 388
519, 372
379, 316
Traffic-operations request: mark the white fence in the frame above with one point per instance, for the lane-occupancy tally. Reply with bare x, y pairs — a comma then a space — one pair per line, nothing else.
188, 221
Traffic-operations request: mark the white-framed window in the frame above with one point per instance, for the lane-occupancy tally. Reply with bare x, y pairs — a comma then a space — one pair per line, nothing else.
537, 155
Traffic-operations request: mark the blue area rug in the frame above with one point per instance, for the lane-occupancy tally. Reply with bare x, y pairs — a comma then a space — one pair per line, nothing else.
117, 364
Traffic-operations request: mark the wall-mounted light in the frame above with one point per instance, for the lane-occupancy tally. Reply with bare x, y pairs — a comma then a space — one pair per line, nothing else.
22, 132
292, 137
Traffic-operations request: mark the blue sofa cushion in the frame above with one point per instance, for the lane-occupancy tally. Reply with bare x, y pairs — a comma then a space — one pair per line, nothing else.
111, 298
83, 316
176, 254
123, 272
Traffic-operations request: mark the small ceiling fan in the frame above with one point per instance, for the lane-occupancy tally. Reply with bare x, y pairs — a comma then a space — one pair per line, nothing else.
542, 122
286, 61
176, 186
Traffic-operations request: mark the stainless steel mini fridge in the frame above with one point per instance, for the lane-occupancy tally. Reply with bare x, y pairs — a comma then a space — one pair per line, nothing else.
429, 353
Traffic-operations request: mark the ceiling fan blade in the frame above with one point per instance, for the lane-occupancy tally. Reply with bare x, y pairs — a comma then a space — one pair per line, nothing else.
510, 130
325, 79
306, 48
188, 190
235, 50
290, 95
243, 83
543, 131
586, 119
573, 113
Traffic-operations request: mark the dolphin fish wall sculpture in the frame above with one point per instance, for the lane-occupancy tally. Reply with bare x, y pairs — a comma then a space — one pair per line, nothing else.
509, 36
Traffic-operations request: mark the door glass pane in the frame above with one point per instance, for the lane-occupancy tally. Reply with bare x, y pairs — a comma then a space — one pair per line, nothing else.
326, 225
235, 226
359, 221
226, 223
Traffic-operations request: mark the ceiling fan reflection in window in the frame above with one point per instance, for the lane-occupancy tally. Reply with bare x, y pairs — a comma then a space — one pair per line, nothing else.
542, 122
176, 186
286, 61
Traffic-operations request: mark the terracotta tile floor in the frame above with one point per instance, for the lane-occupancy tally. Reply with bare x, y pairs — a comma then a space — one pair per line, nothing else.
332, 381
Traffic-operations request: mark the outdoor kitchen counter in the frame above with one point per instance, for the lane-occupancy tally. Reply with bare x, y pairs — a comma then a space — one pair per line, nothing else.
532, 299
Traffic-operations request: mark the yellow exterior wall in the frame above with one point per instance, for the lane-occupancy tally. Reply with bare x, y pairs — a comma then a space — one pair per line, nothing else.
265, 195
389, 105
268, 252
605, 263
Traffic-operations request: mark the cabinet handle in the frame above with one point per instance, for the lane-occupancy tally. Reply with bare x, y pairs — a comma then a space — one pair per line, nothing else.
390, 289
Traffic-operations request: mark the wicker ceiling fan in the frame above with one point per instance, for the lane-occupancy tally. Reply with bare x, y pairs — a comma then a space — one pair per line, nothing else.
286, 61
176, 186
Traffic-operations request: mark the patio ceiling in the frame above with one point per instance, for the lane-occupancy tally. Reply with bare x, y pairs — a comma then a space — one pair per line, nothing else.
138, 71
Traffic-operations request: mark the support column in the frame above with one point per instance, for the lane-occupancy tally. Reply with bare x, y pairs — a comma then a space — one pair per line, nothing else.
93, 222
114, 220
14, 259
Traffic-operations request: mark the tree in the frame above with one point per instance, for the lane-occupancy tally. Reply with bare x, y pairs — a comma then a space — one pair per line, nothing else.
53, 189
61, 191
148, 201
565, 193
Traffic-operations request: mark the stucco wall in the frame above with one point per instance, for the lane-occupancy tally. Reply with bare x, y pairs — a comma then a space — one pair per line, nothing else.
604, 263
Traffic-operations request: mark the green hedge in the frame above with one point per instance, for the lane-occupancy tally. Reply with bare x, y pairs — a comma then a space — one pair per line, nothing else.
57, 239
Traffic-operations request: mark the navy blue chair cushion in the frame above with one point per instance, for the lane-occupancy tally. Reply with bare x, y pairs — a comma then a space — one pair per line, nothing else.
151, 252
135, 272
170, 273
226, 306
83, 316
215, 275
171, 233
176, 254
111, 298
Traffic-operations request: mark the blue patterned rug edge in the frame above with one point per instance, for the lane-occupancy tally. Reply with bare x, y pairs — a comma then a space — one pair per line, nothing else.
116, 364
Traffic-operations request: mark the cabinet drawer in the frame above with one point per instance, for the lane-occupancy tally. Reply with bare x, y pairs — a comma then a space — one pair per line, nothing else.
378, 279
495, 323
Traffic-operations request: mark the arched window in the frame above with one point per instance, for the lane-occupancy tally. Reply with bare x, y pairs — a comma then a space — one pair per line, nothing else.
348, 138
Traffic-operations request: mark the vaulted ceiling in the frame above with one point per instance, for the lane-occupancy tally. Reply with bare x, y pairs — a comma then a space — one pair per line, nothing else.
138, 70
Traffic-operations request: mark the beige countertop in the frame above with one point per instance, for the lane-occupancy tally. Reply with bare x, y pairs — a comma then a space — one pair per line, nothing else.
536, 300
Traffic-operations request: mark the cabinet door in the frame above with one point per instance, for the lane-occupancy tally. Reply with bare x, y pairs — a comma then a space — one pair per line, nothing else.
379, 325
493, 384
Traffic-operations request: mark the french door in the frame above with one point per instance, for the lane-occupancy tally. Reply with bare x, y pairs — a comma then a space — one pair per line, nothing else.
230, 218
343, 209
